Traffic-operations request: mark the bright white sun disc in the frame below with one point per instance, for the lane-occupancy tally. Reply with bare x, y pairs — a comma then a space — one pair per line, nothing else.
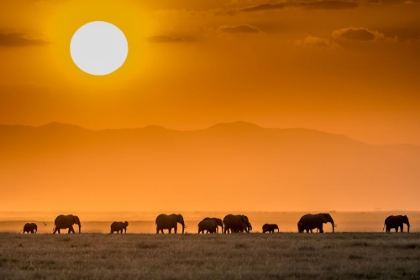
99, 48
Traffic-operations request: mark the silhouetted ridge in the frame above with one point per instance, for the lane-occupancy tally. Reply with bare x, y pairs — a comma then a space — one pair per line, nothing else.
234, 126
57, 126
155, 128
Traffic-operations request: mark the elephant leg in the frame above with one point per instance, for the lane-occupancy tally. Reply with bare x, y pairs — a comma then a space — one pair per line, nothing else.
59, 232
175, 229
71, 230
321, 230
396, 229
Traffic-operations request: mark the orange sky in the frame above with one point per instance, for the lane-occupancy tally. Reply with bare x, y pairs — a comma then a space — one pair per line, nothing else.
344, 67
348, 67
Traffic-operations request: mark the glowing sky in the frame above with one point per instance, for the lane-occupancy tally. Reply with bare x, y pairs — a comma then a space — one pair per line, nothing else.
344, 67
348, 67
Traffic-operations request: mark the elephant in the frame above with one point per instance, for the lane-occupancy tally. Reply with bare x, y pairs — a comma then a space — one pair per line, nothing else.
208, 225
218, 221
66, 221
169, 222
243, 228
396, 222
119, 227
30, 228
270, 228
309, 222
236, 223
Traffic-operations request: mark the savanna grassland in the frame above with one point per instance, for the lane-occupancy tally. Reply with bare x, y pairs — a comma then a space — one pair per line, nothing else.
192, 256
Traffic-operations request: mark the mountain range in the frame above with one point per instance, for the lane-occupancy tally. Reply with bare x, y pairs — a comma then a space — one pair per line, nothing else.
229, 166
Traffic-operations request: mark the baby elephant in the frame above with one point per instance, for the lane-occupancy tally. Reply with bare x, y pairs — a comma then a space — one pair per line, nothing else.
119, 227
270, 228
30, 228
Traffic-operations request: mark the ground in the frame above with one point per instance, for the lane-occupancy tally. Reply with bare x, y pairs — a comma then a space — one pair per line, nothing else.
192, 256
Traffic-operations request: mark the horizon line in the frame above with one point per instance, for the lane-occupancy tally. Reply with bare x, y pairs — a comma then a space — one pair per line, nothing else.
238, 122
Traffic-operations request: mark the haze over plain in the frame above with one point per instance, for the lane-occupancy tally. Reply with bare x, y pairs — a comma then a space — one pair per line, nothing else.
317, 70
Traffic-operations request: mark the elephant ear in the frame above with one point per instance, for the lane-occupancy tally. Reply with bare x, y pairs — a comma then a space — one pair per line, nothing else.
324, 218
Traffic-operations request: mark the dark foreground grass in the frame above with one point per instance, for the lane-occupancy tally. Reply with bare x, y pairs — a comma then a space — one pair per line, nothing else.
238, 256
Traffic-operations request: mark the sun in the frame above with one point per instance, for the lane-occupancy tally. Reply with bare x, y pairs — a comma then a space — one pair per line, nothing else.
99, 48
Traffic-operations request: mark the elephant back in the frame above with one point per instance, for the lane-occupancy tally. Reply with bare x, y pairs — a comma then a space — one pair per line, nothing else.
59, 219
162, 218
305, 218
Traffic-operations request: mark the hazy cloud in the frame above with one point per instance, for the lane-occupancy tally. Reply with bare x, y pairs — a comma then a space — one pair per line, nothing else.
244, 28
329, 5
16, 39
358, 34
323, 4
398, 2
316, 42
265, 7
165, 39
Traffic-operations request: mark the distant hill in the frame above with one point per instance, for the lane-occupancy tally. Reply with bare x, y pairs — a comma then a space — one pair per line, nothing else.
227, 166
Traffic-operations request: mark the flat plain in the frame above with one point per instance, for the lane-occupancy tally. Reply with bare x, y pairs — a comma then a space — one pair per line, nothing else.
218, 256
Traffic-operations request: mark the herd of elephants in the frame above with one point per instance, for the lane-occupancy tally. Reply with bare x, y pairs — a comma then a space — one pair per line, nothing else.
229, 224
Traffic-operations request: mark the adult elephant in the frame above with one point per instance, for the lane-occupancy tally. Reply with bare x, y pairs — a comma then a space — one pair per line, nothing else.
270, 228
309, 222
236, 223
396, 222
66, 221
208, 225
119, 227
30, 228
169, 222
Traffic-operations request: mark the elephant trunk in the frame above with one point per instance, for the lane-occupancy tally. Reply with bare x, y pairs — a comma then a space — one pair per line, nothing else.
333, 226
183, 227
408, 227
80, 227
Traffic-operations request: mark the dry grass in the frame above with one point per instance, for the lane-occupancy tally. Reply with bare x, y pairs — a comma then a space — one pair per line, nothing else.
238, 256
